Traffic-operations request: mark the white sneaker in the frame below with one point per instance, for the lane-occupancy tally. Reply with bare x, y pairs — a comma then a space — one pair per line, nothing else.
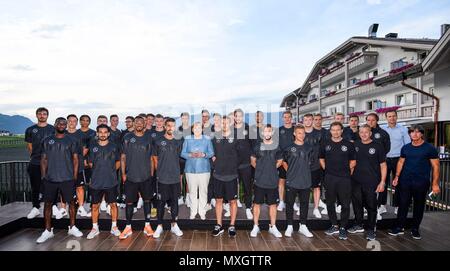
296, 207
338, 209
275, 232
382, 209
239, 204
176, 230
108, 210
140, 203
322, 204
180, 201
289, 230
81, 211
134, 210
324, 211
208, 207
94, 232
203, 217
316, 213
63, 212
395, 210
115, 231
304, 230
188, 200
45, 236
365, 212
281, 206
255, 231
56, 212
298, 213
89, 214
103, 206
249, 214
192, 217
227, 213
74, 231
213, 202
33, 213
122, 206
379, 217
158, 231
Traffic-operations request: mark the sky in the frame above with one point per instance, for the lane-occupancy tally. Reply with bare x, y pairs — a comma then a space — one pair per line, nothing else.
130, 57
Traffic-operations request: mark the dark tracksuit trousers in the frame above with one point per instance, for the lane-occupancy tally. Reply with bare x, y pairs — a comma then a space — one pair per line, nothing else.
364, 196
34, 171
417, 193
303, 195
338, 188
246, 178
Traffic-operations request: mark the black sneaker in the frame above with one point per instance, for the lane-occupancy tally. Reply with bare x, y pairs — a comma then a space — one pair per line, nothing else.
371, 235
356, 229
232, 231
332, 230
218, 230
416, 234
342, 234
396, 231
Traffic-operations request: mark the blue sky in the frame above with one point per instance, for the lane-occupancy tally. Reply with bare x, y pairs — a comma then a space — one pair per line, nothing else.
129, 57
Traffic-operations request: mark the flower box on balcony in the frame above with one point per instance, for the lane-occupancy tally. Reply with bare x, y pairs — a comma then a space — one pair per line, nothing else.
331, 93
365, 82
352, 56
386, 109
359, 113
395, 71
312, 100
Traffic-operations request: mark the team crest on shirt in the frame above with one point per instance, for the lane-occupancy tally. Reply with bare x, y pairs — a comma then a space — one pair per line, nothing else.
344, 148
153, 134
133, 140
328, 148
282, 132
217, 141
372, 150
51, 142
95, 149
35, 130
293, 149
163, 143
230, 140
377, 135
263, 148
357, 149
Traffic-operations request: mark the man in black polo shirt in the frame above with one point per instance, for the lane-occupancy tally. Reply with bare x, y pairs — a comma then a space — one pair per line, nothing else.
351, 132
285, 139
116, 134
379, 135
337, 158
59, 169
367, 181
242, 134
266, 158
297, 163
166, 157
225, 173
33, 137
104, 159
137, 170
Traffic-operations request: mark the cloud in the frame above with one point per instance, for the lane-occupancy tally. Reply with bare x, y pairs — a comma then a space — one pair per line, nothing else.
19, 67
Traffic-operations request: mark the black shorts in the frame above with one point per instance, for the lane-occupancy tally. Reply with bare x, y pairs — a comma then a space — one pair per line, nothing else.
81, 179
316, 178
133, 189
266, 195
52, 189
225, 190
110, 194
169, 192
281, 173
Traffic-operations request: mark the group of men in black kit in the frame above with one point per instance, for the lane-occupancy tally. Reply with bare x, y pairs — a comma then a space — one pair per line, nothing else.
141, 167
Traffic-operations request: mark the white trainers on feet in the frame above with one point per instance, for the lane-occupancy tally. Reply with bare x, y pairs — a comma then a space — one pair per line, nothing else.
103, 206
213, 202
176, 230
382, 209
274, 231
115, 231
324, 211
94, 232
108, 210
338, 209
81, 212
296, 207
304, 230
379, 217
180, 201
289, 230
316, 213
281, 206
159, 230
45, 236
56, 212
134, 210
140, 203
298, 213
255, 231
33, 213
248, 213
239, 204
74, 231
63, 212
322, 204
395, 210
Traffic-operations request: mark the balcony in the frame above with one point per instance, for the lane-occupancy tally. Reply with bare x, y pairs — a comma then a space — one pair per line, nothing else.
309, 107
332, 99
355, 65
361, 90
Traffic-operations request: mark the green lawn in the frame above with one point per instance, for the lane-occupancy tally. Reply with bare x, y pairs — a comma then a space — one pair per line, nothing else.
12, 141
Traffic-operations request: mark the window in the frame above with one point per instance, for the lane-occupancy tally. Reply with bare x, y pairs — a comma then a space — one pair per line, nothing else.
351, 109
371, 74
427, 99
353, 81
338, 86
400, 99
375, 104
332, 111
398, 64
405, 99
414, 100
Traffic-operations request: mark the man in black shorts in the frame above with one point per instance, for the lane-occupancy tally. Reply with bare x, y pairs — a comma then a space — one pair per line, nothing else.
266, 158
166, 158
59, 169
137, 171
367, 181
337, 158
225, 174
104, 159
33, 137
